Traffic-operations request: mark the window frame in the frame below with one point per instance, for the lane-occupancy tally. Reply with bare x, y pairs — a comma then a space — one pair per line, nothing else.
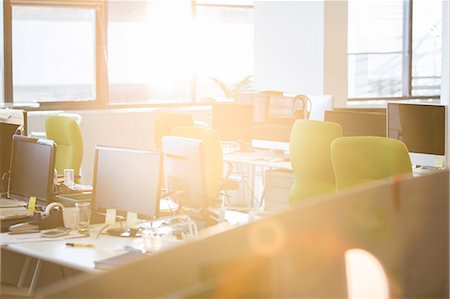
101, 100
101, 79
407, 61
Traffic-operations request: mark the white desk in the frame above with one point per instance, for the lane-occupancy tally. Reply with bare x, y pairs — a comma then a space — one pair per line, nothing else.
77, 258
83, 259
261, 159
257, 163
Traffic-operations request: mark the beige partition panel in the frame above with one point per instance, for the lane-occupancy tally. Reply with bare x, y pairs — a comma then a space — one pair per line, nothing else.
300, 253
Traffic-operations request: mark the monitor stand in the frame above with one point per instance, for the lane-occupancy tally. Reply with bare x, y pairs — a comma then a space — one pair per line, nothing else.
202, 217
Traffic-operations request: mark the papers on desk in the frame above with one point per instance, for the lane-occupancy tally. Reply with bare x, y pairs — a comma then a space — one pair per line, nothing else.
6, 238
119, 260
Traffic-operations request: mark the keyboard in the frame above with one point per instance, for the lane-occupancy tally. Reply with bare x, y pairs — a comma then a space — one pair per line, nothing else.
14, 213
11, 203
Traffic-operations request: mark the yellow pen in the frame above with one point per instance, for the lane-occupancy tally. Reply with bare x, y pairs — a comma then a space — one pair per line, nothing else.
80, 245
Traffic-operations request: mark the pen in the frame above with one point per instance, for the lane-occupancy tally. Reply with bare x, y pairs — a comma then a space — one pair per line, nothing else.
80, 245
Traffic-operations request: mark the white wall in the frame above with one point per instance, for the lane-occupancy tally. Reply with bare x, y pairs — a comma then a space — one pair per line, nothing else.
335, 51
301, 47
289, 46
132, 128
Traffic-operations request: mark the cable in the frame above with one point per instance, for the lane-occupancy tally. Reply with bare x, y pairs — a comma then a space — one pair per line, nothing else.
2, 189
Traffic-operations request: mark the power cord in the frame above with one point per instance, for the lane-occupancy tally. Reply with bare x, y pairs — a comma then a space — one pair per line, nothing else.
2, 191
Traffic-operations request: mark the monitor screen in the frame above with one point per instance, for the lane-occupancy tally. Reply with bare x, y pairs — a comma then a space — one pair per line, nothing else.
420, 127
233, 122
359, 123
127, 180
32, 168
184, 171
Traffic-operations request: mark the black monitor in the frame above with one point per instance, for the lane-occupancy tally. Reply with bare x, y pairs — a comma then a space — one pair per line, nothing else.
32, 168
422, 128
359, 123
12, 121
233, 122
184, 171
127, 180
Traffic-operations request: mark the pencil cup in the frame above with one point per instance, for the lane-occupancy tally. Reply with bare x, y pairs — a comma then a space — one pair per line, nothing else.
69, 177
83, 210
152, 241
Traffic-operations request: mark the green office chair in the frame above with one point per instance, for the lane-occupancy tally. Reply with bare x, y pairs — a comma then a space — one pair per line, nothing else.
164, 122
215, 179
309, 149
362, 159
66, 133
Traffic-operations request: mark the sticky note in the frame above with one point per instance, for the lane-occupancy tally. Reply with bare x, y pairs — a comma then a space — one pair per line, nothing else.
110, 216
132, 219
32, 204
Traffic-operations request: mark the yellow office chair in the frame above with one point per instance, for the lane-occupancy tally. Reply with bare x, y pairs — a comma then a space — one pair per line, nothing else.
66, 133
164, 122
215, 180
362, 159
309, 149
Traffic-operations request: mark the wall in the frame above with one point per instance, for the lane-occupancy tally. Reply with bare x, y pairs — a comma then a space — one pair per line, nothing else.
301, 47
287, 57
335, 51
132, 128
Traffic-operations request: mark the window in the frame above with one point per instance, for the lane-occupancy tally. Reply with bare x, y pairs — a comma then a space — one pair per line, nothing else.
225, 47
427, 45
93, 53
394, 49
55, 55
150, 51
168, 51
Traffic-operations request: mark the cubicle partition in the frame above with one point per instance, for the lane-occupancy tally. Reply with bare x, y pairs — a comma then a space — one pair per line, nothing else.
402, 221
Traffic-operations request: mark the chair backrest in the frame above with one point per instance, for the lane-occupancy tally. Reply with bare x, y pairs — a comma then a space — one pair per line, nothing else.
309, 150
213, 157
66, 133
164, 122
362, 159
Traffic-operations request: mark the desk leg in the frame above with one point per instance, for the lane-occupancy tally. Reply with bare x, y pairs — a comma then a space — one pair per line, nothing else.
252, 186
37, 270
23, 274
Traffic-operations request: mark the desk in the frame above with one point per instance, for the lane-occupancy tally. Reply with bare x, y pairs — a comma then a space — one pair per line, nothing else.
83, 259
257, 163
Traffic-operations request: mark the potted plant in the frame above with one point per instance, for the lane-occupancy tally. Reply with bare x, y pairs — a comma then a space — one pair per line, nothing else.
232, 91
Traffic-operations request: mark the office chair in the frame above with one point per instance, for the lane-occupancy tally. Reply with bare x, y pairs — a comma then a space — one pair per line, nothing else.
164, 122
215, 179
66, 133
309, 149
362, 159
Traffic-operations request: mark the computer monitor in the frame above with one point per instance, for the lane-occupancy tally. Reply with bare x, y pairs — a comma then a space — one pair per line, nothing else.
127, 180
12, 121
422, 128
276, 112
359, 122
32, 168
233, 122
184, 171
